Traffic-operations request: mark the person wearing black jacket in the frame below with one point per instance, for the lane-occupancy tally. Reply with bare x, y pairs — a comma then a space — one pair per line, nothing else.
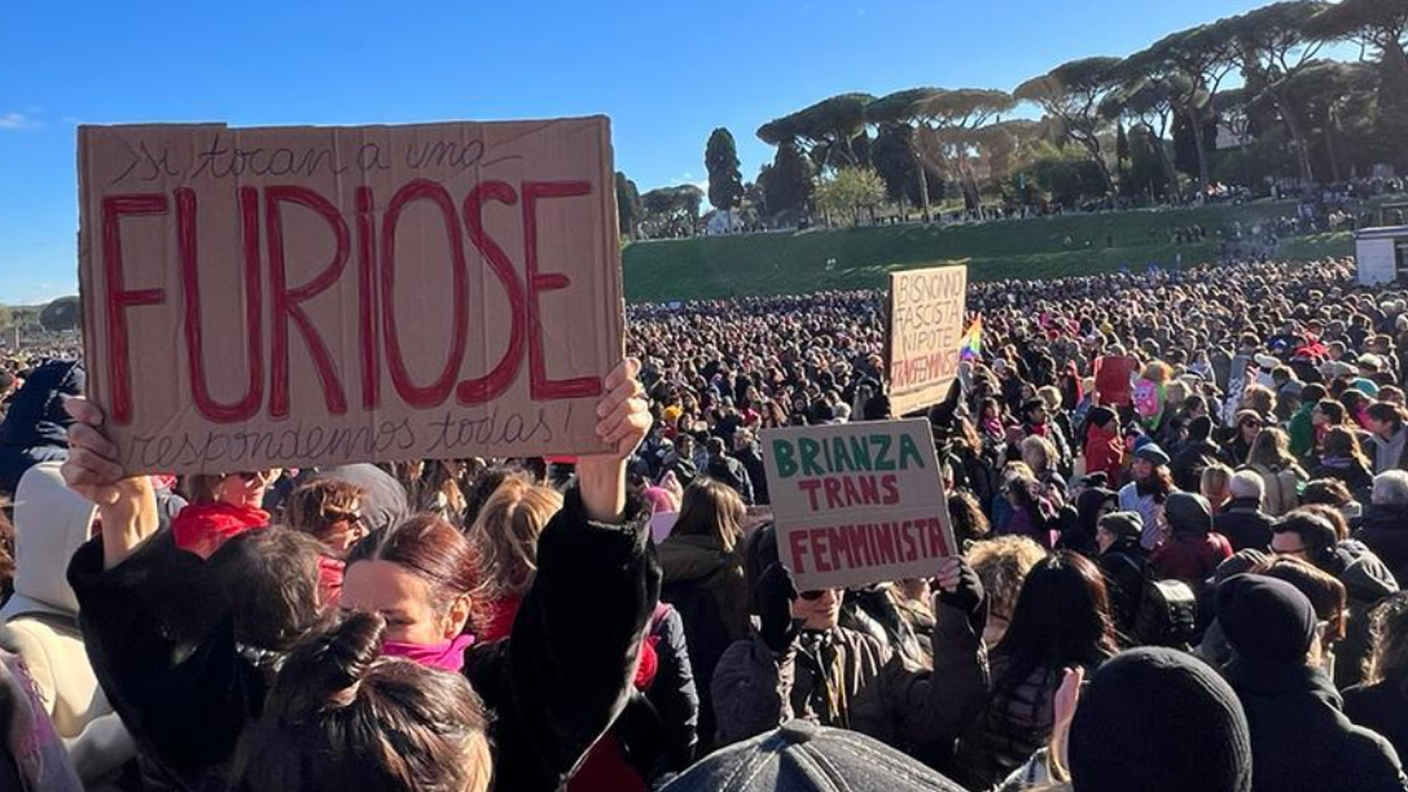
727, 470
1124, 564
1248, 425
1091, 505
181, 661
1384, 526
1341, 458
1381, 701
750, 454
670, 724
1197, 453
681, 461
35, 426
1242, 521
1300, 738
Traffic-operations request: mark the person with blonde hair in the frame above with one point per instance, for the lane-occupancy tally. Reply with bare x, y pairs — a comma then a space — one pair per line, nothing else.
1041, 455
1158, 372
1002, 564
1282, 477
504, 545
1216, 485
1380, 702
1060, 418
504, 542
1175, 394
1038, 421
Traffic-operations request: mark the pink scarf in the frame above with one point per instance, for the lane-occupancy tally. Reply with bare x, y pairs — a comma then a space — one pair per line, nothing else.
446, 655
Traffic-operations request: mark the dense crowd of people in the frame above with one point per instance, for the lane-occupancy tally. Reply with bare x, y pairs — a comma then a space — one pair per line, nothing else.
1181, 498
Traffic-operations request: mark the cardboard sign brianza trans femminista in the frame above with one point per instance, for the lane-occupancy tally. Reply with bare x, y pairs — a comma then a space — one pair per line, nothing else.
925, 335
857, 503
302, 296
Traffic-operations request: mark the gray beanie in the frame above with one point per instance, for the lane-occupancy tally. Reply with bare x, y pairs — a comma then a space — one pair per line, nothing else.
1123, 524
1188, 514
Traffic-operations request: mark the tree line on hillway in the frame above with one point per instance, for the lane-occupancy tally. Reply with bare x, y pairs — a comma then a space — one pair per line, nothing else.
63, 314
1247, 100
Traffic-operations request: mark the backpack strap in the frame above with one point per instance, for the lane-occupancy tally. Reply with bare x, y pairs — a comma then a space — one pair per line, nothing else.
1125, 557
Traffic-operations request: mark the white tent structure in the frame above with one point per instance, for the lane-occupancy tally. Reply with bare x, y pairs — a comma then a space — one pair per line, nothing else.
1381, 254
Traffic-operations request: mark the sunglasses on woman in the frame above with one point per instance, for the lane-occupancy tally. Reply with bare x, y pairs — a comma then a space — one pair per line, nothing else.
251, 476
812, 596
351, 518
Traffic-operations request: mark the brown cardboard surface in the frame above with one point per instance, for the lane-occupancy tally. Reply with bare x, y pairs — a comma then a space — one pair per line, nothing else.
857, 503
1114, 380
925, 334
300, 296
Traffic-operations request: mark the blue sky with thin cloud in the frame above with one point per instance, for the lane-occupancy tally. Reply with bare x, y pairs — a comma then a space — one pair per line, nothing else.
666, 72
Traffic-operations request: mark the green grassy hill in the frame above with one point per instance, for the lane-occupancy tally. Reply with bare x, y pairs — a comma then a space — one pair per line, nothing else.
789, 263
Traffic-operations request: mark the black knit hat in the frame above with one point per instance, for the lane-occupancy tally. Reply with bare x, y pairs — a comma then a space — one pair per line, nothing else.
1159, 720
800, 756
1267, 621
1099, 416
1200, 428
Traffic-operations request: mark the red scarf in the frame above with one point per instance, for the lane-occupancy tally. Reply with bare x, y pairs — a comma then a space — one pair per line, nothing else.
330, 572
499, 622
202, 527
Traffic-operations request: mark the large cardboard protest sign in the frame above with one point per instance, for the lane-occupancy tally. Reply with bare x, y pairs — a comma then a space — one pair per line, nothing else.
1114, 380
857, 503
298, 296
926, 334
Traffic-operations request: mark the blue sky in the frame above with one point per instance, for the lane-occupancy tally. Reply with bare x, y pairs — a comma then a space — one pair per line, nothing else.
667, 72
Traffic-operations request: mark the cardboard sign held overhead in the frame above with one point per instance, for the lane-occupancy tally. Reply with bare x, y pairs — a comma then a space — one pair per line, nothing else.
857, 503
302, 296
926, 333
1114, 382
